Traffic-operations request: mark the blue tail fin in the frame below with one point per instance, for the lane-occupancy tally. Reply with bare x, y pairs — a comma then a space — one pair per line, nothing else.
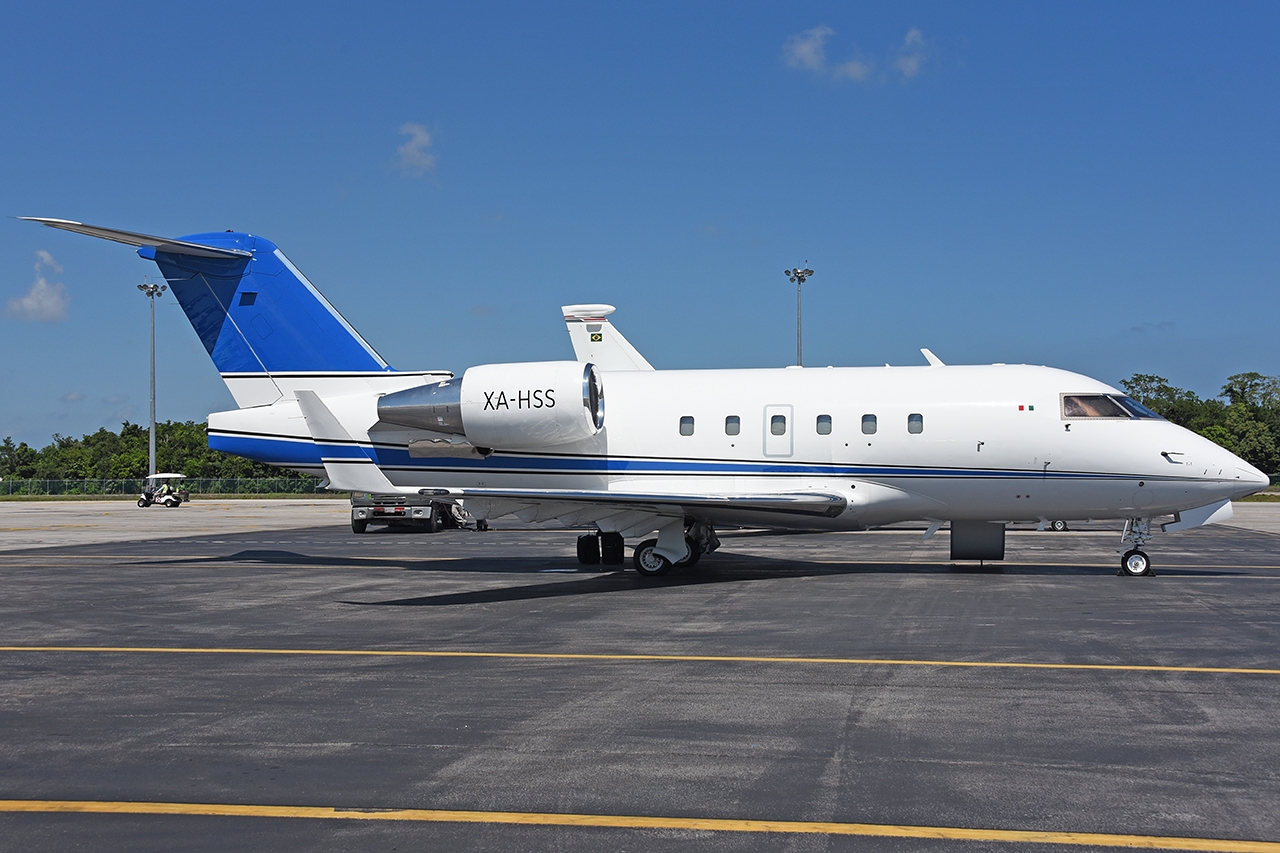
258, 313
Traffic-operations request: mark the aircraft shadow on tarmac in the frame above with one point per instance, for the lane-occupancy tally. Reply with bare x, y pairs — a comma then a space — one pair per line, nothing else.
721, 568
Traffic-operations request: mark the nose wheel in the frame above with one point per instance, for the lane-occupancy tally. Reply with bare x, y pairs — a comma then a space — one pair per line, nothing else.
1135, 563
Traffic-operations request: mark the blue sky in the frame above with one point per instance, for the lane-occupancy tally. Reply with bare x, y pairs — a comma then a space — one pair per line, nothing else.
1094, 186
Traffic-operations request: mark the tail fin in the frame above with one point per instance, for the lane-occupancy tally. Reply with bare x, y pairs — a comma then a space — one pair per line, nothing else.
255, 313
596, 340
260, 314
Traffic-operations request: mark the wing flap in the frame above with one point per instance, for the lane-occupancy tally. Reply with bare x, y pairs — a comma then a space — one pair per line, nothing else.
820, 504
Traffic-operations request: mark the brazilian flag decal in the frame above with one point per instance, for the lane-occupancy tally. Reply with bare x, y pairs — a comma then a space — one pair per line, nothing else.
597, 338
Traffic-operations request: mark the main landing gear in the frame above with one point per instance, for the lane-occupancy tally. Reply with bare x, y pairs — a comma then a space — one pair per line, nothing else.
607, 549
1135, 562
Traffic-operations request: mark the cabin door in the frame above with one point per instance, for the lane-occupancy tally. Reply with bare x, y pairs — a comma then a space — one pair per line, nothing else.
778, 430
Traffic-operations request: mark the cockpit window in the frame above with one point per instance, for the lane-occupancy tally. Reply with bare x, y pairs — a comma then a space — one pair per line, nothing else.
1137, 409
1104, 406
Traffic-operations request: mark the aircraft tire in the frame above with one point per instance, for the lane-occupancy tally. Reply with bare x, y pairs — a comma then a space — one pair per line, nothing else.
1059, 526
453, 516
589, 549
1135, 563
648, 563
359, 525
612, 549
694, 555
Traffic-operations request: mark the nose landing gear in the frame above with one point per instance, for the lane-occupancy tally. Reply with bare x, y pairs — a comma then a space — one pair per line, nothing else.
1135, 562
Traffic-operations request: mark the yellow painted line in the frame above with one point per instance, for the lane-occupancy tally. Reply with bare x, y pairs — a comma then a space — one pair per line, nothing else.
1095, 839
584, 656
39, 560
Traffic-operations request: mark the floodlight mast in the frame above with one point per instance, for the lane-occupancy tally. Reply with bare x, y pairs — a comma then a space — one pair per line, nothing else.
798, 276
152, 291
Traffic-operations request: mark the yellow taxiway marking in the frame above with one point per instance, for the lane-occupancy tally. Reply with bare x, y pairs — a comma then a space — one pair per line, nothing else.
1095, 839
587, 656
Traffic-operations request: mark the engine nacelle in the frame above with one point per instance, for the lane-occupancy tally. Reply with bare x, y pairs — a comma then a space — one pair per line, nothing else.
521, 406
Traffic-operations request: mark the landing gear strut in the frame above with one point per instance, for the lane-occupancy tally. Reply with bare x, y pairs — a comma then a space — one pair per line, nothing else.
1135, 562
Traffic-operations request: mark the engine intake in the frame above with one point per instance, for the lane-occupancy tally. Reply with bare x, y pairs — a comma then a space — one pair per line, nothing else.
521, 406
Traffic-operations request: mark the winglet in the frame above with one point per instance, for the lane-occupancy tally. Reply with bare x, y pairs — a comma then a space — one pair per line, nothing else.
596, 340
933, 360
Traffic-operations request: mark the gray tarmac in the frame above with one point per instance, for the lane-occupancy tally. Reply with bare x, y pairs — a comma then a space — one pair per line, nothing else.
851, 679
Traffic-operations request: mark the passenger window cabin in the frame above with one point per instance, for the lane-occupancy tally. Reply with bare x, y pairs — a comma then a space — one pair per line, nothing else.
868, 424
686, 425
732, 425
824, 424
915, 424
778, 424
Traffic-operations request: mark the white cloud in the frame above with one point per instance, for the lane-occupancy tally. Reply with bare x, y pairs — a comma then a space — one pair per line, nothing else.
807, 50
43, 258
912, 54
71, 397
804, 50
44, 302
415, 158
854, 70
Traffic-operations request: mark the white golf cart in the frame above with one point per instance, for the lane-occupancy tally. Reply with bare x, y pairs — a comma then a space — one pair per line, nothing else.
163, 489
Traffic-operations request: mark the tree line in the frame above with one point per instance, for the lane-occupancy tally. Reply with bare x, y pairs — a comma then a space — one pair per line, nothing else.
182, 447
1244, 418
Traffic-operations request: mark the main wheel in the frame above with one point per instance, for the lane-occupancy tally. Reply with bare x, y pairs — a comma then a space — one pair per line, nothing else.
432, 522
1059, 526
648, 562
612, 550
359, 525
589, 549
694, 555
1135, 563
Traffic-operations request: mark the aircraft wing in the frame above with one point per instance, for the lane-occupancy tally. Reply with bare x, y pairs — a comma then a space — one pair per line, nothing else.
632, 511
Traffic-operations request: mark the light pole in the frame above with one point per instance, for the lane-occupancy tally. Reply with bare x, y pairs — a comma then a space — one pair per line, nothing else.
798, 276
152, 291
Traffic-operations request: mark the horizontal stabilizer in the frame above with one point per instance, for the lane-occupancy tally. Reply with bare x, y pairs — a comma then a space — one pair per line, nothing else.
160, 244
253, 310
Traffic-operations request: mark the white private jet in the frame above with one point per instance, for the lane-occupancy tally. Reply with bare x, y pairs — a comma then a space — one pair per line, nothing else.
679, 452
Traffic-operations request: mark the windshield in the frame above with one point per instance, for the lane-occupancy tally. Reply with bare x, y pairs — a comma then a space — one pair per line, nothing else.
1104, 406
1137, 409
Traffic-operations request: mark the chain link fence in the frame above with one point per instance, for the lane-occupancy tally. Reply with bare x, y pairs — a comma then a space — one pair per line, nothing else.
195, 485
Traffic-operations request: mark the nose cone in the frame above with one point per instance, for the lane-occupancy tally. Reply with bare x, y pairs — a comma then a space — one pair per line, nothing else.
1250, 478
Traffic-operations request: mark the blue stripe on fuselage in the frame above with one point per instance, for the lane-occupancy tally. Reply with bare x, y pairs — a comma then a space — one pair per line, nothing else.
294, 452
